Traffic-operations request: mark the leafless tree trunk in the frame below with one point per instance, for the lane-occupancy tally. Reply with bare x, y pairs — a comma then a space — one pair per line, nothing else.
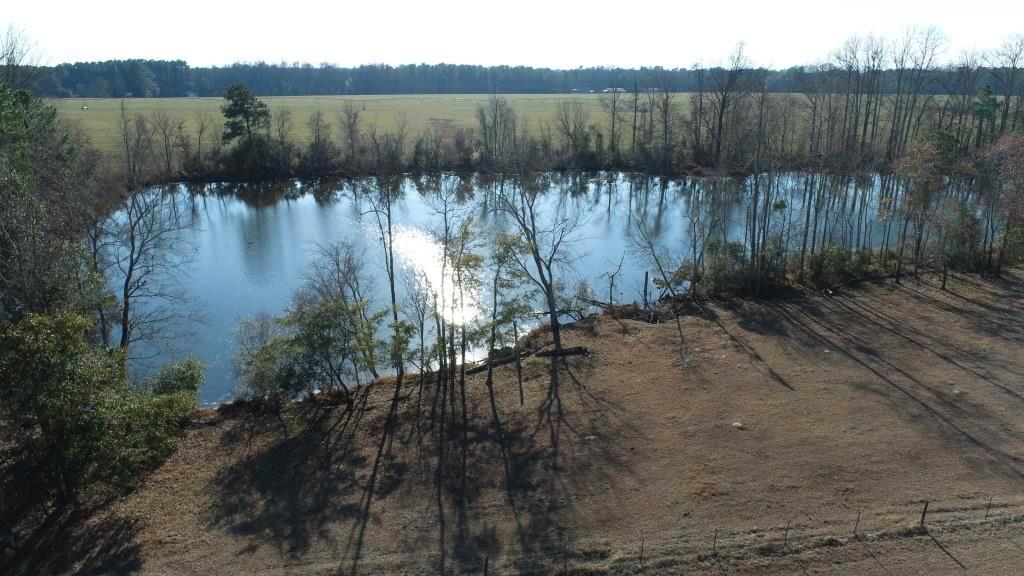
281, 124
166, 129
613, 103
203, 123
351, 133
726, 92
665, 106
137, 142
1006, 69
21, 69
573, 120
547, 237
497, 121
147, 251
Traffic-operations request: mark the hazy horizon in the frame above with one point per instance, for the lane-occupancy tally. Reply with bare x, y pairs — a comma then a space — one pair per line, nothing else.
532, 33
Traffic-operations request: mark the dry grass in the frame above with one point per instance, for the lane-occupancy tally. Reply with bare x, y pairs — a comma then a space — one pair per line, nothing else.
422, 112
868, 403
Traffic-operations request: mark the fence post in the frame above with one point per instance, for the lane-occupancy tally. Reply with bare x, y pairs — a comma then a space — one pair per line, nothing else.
565, 558
641, 551
647, 279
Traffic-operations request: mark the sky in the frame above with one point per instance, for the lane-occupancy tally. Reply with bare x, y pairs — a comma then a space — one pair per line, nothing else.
544, 33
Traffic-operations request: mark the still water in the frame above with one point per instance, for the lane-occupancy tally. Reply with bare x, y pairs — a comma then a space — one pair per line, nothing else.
252, 245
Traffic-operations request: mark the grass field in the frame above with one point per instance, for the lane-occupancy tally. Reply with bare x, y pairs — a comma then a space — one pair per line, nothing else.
421, 111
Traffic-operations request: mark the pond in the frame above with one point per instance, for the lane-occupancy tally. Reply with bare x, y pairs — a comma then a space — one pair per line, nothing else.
252, 245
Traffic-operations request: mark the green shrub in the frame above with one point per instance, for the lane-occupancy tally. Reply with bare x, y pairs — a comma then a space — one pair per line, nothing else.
72, 425
1013, 242
835, 266
726, 269
183, 377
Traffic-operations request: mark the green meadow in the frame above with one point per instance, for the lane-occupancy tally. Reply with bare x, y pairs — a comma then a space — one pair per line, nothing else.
99, 116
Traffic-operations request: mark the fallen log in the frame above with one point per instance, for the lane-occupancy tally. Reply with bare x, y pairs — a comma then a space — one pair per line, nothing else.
495, 363
563, 312
574, 351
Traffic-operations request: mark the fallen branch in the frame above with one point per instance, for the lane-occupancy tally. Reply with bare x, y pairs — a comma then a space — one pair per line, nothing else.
574, 351
498, 362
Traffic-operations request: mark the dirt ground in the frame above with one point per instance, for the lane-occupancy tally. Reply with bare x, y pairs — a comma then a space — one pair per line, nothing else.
801, 435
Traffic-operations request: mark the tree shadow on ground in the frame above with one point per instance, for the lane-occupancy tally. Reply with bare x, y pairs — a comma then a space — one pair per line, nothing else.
90, 542
533, 484
956, 419
864, 328
291, 489
992, 306
497, 488
746, 317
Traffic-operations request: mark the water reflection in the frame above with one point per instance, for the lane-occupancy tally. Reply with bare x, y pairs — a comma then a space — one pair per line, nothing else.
255, 242
424, 258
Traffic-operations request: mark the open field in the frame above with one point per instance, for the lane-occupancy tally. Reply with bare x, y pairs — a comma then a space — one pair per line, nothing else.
823, 415
422, 112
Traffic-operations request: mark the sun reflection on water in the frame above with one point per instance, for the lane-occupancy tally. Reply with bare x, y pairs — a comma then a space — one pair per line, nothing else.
424, 257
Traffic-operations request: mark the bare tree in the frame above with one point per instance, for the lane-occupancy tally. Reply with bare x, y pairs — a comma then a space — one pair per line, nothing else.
497, 124
147, 252
669, 267
350, 132
282, 128
1006, 64
962, 87
337, 275
166, 129
644, 243
664, 107
634, 107
203, 123
21, 69
726, 91
614, 105
319, 157
418, 290
137, 142
913, 58
698, 115
385, 190
183, 144
573, 120
547, 236
335, 328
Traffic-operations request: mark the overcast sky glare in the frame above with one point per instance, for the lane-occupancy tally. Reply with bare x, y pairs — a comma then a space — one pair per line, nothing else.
551, 33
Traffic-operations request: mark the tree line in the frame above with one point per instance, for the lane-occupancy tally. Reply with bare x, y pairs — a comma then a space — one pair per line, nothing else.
864, 63
843, 118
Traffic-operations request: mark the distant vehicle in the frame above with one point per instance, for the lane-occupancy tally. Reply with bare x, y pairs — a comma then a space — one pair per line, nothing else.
606, 90
85, 107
